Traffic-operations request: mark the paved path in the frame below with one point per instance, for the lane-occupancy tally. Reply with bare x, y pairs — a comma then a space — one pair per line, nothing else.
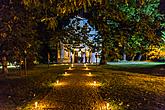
75, 91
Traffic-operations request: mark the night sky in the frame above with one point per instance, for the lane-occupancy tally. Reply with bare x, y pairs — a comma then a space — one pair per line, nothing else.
162, 6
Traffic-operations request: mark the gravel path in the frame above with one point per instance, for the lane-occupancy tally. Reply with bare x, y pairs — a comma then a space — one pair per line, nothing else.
75, 91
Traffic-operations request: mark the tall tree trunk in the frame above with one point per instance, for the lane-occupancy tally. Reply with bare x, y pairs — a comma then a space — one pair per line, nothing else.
124, 57
56, 53
103, 57
62, 52
4, 63
133, 57
124, 54
139, 58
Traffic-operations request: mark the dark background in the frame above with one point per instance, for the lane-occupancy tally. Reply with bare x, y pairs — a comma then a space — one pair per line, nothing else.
162, 6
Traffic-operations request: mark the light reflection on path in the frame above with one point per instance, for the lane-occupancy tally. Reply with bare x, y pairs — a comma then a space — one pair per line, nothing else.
76, 90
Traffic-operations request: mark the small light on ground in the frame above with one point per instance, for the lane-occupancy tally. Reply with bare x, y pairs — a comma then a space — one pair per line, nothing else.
94, 82
57, 81
34, 95
87, 68
66, 74
36, 104
70, 68
107, 106
89, 74
72, 65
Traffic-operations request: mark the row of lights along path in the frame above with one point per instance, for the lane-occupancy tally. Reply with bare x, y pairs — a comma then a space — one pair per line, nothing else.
76, 90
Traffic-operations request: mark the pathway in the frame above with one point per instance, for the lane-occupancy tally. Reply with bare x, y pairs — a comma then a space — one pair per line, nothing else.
76, 90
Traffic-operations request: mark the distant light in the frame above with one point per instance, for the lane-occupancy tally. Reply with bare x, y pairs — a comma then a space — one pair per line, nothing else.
57, 81
107, 105
66, 74
94, 84
36, 104
84, 65
89, 74
70, 68
72, 65
34, 95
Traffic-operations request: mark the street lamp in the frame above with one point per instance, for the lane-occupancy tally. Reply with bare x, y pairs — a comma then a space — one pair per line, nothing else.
25, 62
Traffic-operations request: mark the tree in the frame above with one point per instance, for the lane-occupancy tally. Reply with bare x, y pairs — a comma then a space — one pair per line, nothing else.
146, 20
17, 33
123, 13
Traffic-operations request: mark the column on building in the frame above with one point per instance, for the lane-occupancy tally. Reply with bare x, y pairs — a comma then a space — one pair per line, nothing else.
71, 55
93, 58
87, 56
79, 56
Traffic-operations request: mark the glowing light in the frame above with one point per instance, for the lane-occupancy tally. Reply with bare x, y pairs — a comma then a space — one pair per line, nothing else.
36, 104
107, 105
70, 68
66, 74
58, 84
72, 65
87, 68
89, 74
57, 81
34, 95
94, 84
85, 65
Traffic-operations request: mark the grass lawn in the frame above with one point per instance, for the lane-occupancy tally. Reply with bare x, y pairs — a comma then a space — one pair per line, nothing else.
152, 68
21, 90
133, 87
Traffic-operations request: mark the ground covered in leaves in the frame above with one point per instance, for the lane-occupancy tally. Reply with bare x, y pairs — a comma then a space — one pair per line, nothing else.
116, 88
134, 87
